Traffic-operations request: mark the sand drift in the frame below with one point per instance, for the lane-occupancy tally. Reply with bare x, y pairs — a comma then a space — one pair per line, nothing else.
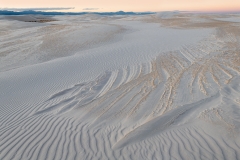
164, 86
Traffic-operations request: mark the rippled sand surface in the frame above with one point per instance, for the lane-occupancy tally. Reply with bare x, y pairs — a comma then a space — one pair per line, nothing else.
162, 86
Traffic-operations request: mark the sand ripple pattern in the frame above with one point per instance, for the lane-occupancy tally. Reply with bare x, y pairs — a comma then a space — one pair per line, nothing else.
183, 105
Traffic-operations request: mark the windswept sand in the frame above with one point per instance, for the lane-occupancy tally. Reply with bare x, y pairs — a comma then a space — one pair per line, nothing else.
124, 87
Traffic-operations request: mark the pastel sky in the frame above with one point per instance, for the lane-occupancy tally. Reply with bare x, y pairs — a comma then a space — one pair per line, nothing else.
127, 5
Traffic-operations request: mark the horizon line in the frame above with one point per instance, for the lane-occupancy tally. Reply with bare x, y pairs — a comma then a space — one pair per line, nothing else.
55, 10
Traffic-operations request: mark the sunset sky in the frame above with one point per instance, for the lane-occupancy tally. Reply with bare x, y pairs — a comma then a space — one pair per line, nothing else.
126, 5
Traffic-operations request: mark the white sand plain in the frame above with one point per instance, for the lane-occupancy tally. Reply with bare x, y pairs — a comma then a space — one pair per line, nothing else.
120, 87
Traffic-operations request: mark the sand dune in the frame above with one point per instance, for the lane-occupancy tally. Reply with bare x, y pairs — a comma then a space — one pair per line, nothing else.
136, 87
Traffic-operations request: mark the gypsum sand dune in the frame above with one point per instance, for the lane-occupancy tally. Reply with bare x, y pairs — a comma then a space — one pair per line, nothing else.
128, 40
182, 105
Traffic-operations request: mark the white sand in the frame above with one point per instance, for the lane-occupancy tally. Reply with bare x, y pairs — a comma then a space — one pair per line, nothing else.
229, 19
125, 87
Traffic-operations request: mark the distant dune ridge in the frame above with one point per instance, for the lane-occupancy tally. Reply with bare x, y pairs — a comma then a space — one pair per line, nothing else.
167, 14
159, 86
30, 18
22, 18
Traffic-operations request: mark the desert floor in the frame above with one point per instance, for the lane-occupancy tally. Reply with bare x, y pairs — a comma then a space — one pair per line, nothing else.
160, 86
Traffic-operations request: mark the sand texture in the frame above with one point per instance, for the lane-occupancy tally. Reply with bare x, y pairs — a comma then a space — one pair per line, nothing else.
162, 86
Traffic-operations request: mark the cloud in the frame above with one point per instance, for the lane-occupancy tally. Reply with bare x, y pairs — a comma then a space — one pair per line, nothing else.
89, 9
37, 9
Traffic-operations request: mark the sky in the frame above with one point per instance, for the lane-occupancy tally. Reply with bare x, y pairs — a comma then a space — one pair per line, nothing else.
124, 5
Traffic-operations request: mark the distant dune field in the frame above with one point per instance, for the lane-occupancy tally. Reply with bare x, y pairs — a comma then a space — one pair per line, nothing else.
160, 86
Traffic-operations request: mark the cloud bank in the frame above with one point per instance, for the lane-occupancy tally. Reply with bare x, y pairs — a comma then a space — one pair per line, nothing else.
90, 9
